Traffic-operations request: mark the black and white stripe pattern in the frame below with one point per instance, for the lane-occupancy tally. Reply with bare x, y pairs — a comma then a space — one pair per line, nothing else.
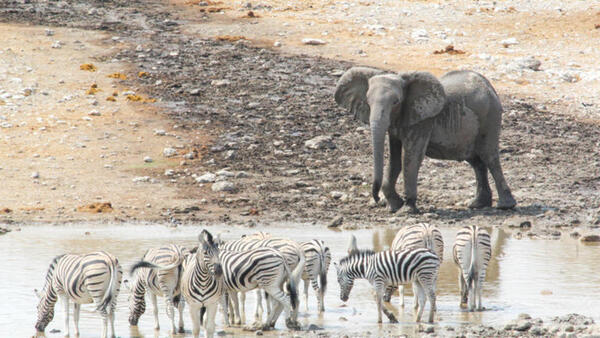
202, 285
392, 268
421, 235
472, 252
159, 273
264, 268
82, 279
318, 258
290, 250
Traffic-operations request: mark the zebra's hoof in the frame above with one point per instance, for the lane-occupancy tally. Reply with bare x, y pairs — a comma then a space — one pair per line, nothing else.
292, 325
181, 330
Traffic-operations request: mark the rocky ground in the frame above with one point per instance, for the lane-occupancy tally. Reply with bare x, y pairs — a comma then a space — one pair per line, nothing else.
244, 128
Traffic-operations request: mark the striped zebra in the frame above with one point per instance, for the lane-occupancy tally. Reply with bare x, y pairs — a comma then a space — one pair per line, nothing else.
391, 268
83, 279
263, 268
318, 258
290, 250
159, 273
202, 284
421, 235
472, 251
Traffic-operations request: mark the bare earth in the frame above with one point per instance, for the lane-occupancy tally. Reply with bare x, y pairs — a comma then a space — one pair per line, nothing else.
241, 108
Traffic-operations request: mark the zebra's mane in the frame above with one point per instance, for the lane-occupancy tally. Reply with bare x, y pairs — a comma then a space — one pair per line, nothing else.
51, 270
355, 253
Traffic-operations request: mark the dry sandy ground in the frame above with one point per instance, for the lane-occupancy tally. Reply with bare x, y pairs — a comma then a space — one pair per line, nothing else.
58, 154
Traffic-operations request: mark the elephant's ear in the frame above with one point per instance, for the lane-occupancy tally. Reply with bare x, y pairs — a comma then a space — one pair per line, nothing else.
351, 91
424, 97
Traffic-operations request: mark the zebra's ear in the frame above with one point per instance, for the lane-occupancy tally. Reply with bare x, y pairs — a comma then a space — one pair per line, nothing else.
352, 246
37, 293
337, 267
127, 285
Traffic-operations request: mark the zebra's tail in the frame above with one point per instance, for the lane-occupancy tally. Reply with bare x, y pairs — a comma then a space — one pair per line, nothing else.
299, 269
322, 275
471, 272
113, 287
292, 286
146, 264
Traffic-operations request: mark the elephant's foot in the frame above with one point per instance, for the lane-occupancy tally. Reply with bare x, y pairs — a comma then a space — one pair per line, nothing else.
394, 204
505, 203
411, 203
481, 201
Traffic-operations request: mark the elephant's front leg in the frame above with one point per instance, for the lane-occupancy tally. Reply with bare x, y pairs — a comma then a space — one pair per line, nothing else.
415, 145
393, 170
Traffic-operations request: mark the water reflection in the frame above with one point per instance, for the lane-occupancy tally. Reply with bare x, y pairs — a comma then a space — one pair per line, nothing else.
542, 278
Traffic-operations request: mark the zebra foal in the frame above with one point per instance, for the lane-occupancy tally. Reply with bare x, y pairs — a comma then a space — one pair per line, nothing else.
416, 236
83, 279
158, 273
391, 268
472, 251
318, 258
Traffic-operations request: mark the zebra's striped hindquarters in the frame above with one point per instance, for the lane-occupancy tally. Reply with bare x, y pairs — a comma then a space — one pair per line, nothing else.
82, 279
318, 259
472, 252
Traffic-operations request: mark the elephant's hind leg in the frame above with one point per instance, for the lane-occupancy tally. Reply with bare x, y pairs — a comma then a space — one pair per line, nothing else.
393, 170
505, 197
483, 197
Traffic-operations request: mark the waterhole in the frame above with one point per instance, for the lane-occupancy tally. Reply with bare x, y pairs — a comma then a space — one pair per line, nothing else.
544, 278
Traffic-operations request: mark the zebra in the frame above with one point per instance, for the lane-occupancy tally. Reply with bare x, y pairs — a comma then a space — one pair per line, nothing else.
318, 258
391, 267
290, 250
93, 277
472, 251
421, 235
202, 284
264, 268
160, 274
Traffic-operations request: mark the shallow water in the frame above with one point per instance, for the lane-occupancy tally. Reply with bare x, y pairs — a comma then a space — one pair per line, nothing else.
540, 277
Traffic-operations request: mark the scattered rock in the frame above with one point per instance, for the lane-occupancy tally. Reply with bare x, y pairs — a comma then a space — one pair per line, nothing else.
313, 42
101, 207
336, 222
590, 238
160, 132
509, 42
320, 142
141, 179
523, 325
225, 173
35, 175
148, 159
223, 186
49, 32
313, 327
206, 178
169, 172
169, 152
220, 83
449, 50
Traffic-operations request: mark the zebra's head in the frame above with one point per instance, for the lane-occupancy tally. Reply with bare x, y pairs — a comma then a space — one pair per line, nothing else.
208, 253
345, 279
137, 302
45, 309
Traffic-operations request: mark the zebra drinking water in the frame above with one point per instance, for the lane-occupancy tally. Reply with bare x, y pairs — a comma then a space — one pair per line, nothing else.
391, 268
318, 258
472, 251
159, 274
421, 235
83, 279
202, 285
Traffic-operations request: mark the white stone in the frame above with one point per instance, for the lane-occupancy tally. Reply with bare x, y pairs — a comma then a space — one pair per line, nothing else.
169, 152
35, 174
159, 132
49, 32
206, 178
57, 45
169, 172
141, 179
509, 42
277, 44
94, 113
148, 159
225, 173
223, 186
320, 142
220, 83
313, 42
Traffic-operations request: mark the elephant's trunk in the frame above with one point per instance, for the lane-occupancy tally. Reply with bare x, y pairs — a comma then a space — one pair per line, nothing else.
379, 122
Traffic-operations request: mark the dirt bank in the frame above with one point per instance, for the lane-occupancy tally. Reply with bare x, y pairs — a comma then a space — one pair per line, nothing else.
242, 115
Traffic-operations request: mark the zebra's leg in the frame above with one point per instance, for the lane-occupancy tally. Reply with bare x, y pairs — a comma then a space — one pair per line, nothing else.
430, 293
104, 315
195, 316
478, 287
170, 310
236, 308
306, 294
269, 303
242, 308
155, 306
463, 290
65, 301
419, 300
472, 299
180, 307
76, 310
211, 311
379, 294
401, 292
111, 320
259, 308
284, 302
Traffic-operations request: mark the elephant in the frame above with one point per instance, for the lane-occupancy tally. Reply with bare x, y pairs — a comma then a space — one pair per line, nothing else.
457, 117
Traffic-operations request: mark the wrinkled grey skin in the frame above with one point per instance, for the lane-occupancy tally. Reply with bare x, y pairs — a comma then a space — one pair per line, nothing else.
457, 117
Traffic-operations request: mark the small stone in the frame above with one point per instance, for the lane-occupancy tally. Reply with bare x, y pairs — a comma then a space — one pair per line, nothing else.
277, 44
56, 44
169, 172
220, 83
313, 327
313, 42
159, 132
49, 32
169, 152
195, 91
509, 42
225, 173
148, 159
336, 195
569, 328
206, 178
336, 222
223, 186
141, 179
242, 174
429, 329
229, 155
525, 225
253, 105
259, 333
35, 174
590, 238
190, 156
523, 325
320, 142
94, 113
